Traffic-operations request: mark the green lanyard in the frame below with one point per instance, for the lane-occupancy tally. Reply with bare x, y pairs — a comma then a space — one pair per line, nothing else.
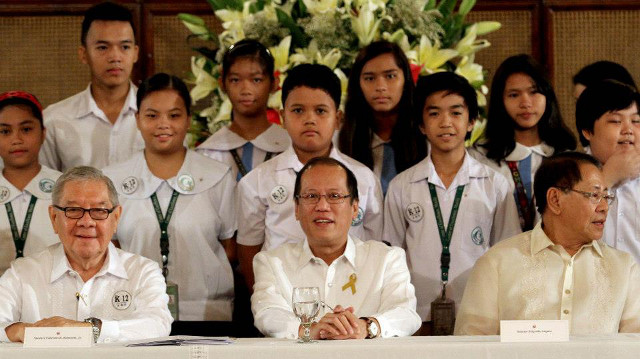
164, 225
445, 234
20, 239
241, 168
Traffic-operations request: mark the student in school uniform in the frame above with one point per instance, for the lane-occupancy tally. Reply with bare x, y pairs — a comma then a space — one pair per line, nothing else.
250, 139
311, 98
608, 122
524, 126
378, 130
25, 184
178, 206
449, 203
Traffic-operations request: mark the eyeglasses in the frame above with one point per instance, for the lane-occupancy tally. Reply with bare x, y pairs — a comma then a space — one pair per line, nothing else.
78, 212
314, 198
594, 197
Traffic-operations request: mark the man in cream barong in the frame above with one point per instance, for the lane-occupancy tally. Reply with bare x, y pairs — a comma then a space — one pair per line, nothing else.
559, 270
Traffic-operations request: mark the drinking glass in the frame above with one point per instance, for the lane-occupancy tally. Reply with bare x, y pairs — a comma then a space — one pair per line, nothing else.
306, 304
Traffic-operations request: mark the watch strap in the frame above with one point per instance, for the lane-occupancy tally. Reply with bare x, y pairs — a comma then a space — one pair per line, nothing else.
96, 326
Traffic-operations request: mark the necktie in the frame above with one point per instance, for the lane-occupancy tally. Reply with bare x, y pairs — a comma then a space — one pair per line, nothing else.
388, 167
247, 158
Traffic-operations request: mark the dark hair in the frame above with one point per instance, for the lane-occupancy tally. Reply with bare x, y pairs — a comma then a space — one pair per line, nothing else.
162, 81
352, 183
561, 170
356, 134
249, 49
500, 130
600, 98
106, 11
603, 70
13, 98
314, 76
448, 82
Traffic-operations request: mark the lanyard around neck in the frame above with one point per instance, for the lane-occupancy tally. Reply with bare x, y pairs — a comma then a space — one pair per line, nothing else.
20, 239
445, 233
525, 206
164, 225
241, 168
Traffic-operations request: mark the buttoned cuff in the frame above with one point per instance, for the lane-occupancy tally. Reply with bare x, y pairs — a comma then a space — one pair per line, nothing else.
292, 330
110, 331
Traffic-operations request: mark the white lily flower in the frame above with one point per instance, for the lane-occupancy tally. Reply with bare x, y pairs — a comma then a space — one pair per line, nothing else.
400, 38
275, 100
233, 22
469, 44
330, 60
196, 25
469, 70
430, 56
224, 112
344, 83
316, 7
375, 4
485, 27
205, 82
305, 56
280, 54
366, 26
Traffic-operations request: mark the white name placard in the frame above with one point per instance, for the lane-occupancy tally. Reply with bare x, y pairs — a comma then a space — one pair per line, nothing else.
534, 331
58, 337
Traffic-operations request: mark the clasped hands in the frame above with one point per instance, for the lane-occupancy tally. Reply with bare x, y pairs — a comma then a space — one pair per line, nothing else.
341, 324
15, 332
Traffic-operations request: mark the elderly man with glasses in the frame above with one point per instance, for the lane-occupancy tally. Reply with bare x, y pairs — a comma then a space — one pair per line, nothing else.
85, 280
365, 286
559, 270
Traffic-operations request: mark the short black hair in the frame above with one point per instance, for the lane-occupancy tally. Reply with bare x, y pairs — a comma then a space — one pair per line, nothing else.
314, 76
603, 70
249, 49
562, 171
162, 81
28, 100
352, 183
600, 98
106, 11
450, 83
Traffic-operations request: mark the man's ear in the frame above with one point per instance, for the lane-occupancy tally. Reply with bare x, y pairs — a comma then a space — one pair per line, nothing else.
82, 55
554, 200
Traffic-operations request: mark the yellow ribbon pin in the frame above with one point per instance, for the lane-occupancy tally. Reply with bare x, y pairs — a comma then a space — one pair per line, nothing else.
351, 284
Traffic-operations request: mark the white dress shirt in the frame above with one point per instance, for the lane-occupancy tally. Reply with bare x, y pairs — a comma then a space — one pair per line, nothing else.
486, 215
266, 208
203, 215
528, 277
41, 234
382, 288
79, 133
274, 140
45, 285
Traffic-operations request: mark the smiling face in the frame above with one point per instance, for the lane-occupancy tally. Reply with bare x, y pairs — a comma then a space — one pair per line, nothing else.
110, 51
445, 122
163, 121
324, 224
382, 82
84, 239
523, 102
614, 131
310, 118
248, 87
21, 135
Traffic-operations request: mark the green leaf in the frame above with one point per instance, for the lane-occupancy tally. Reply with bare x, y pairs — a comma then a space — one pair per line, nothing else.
192, 19
226, 4
297, 36
299, 10
466, 6
257, 6
446, 7
206, 52
430, 5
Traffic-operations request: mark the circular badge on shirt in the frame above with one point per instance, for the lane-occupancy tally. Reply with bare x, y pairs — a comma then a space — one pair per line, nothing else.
359, 217
186, 183
414, 212
4, 193
279, 194
476, 236
46, 185
129, 185
121, 300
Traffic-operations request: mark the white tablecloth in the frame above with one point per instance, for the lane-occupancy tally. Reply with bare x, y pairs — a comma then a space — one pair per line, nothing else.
585, 347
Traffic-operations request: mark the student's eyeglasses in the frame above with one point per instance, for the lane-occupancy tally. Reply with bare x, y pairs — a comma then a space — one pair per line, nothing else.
594, 197
314, 198
78, 212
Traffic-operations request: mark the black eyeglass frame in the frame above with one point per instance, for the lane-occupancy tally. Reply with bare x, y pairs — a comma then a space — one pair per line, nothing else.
90, 210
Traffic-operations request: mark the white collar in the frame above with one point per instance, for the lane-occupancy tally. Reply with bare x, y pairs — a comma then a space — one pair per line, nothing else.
289, 160
274, 139
520, 151
377, 141
306, 255
40, 186
88, 104
471, 168
112, 264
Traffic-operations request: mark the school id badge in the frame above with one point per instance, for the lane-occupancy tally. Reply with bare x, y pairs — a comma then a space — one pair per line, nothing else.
443, 314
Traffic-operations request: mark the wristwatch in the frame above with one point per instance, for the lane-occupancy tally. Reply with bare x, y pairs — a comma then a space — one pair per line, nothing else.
373, 331
96, 326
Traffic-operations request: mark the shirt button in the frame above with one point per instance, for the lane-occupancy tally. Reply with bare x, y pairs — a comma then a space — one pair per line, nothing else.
330, 285
567, 291
566, 311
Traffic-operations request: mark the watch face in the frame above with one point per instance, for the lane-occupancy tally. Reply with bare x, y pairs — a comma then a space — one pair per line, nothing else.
373, 329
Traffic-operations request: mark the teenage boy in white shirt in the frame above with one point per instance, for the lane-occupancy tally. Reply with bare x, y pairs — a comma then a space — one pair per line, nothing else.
311, 97
469, 202
97, 127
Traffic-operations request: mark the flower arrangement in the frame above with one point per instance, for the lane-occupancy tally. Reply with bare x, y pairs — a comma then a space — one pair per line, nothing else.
434, 36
